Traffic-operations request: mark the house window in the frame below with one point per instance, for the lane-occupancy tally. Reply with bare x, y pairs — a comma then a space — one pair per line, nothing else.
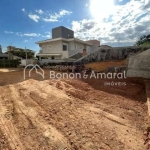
81, 47
52, 57
68, 35
65, 47
42, 47
49, 46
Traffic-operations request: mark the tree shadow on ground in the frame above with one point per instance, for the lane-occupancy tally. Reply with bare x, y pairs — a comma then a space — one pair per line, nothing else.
132, 88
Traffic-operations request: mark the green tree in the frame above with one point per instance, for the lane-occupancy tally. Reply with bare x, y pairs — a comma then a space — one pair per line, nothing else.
21, 52
143, 41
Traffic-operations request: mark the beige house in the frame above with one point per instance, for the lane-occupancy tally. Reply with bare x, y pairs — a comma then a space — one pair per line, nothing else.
63, 45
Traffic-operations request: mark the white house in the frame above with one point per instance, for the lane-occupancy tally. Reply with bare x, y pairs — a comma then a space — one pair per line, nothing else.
63, 45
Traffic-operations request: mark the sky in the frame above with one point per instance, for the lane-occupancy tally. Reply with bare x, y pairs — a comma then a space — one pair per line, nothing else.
113, 22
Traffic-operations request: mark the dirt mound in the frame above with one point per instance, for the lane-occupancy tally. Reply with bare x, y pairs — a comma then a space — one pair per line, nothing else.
64, 114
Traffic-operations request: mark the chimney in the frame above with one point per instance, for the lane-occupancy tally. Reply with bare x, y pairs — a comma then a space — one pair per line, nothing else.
84, 52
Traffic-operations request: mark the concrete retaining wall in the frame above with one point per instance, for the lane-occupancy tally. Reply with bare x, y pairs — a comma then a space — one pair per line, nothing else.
103, 54
139, 65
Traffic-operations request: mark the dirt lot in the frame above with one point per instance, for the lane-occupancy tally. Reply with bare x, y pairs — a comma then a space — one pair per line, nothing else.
65, 114
101, 66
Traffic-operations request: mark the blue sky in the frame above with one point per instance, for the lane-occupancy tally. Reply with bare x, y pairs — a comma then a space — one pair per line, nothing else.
113, 22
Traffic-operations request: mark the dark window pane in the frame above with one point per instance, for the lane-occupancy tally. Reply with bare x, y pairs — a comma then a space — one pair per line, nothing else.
64, 47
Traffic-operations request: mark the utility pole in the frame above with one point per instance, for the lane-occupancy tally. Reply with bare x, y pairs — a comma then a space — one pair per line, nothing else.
26, 55
0, 49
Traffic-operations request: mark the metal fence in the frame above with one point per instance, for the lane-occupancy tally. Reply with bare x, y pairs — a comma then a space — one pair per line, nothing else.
4, 63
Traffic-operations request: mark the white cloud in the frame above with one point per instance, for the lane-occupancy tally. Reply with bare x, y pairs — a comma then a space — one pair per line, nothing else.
32, 34
46, 35
23, 9
34, 17
25, 41
124, 26
47, 16
39, 11
19, 34
64, 12
54, 17
28, 34
50, 19
48, 32
8, 32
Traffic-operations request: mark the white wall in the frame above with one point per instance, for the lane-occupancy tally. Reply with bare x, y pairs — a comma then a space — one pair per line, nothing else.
88, 49
54, 47
76, 47
80, 47
71, 46
57, 47
51, 47
25, 62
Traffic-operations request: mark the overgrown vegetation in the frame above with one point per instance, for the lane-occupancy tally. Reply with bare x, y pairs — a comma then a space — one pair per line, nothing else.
143, 41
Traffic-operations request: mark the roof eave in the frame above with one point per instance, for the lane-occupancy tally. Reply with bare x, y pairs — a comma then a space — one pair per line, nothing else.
63, 39
50, 40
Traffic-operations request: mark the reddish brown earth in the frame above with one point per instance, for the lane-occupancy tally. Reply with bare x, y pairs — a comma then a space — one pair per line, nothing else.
101, 66
65, 114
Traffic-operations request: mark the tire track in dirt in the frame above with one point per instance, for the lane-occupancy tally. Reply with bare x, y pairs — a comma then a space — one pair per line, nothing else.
4, 143
69, 117
8, 128
109, 116
54, 136
50, 101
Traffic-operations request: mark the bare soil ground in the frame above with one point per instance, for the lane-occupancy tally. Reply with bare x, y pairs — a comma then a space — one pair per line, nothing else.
65, 114
101, 66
